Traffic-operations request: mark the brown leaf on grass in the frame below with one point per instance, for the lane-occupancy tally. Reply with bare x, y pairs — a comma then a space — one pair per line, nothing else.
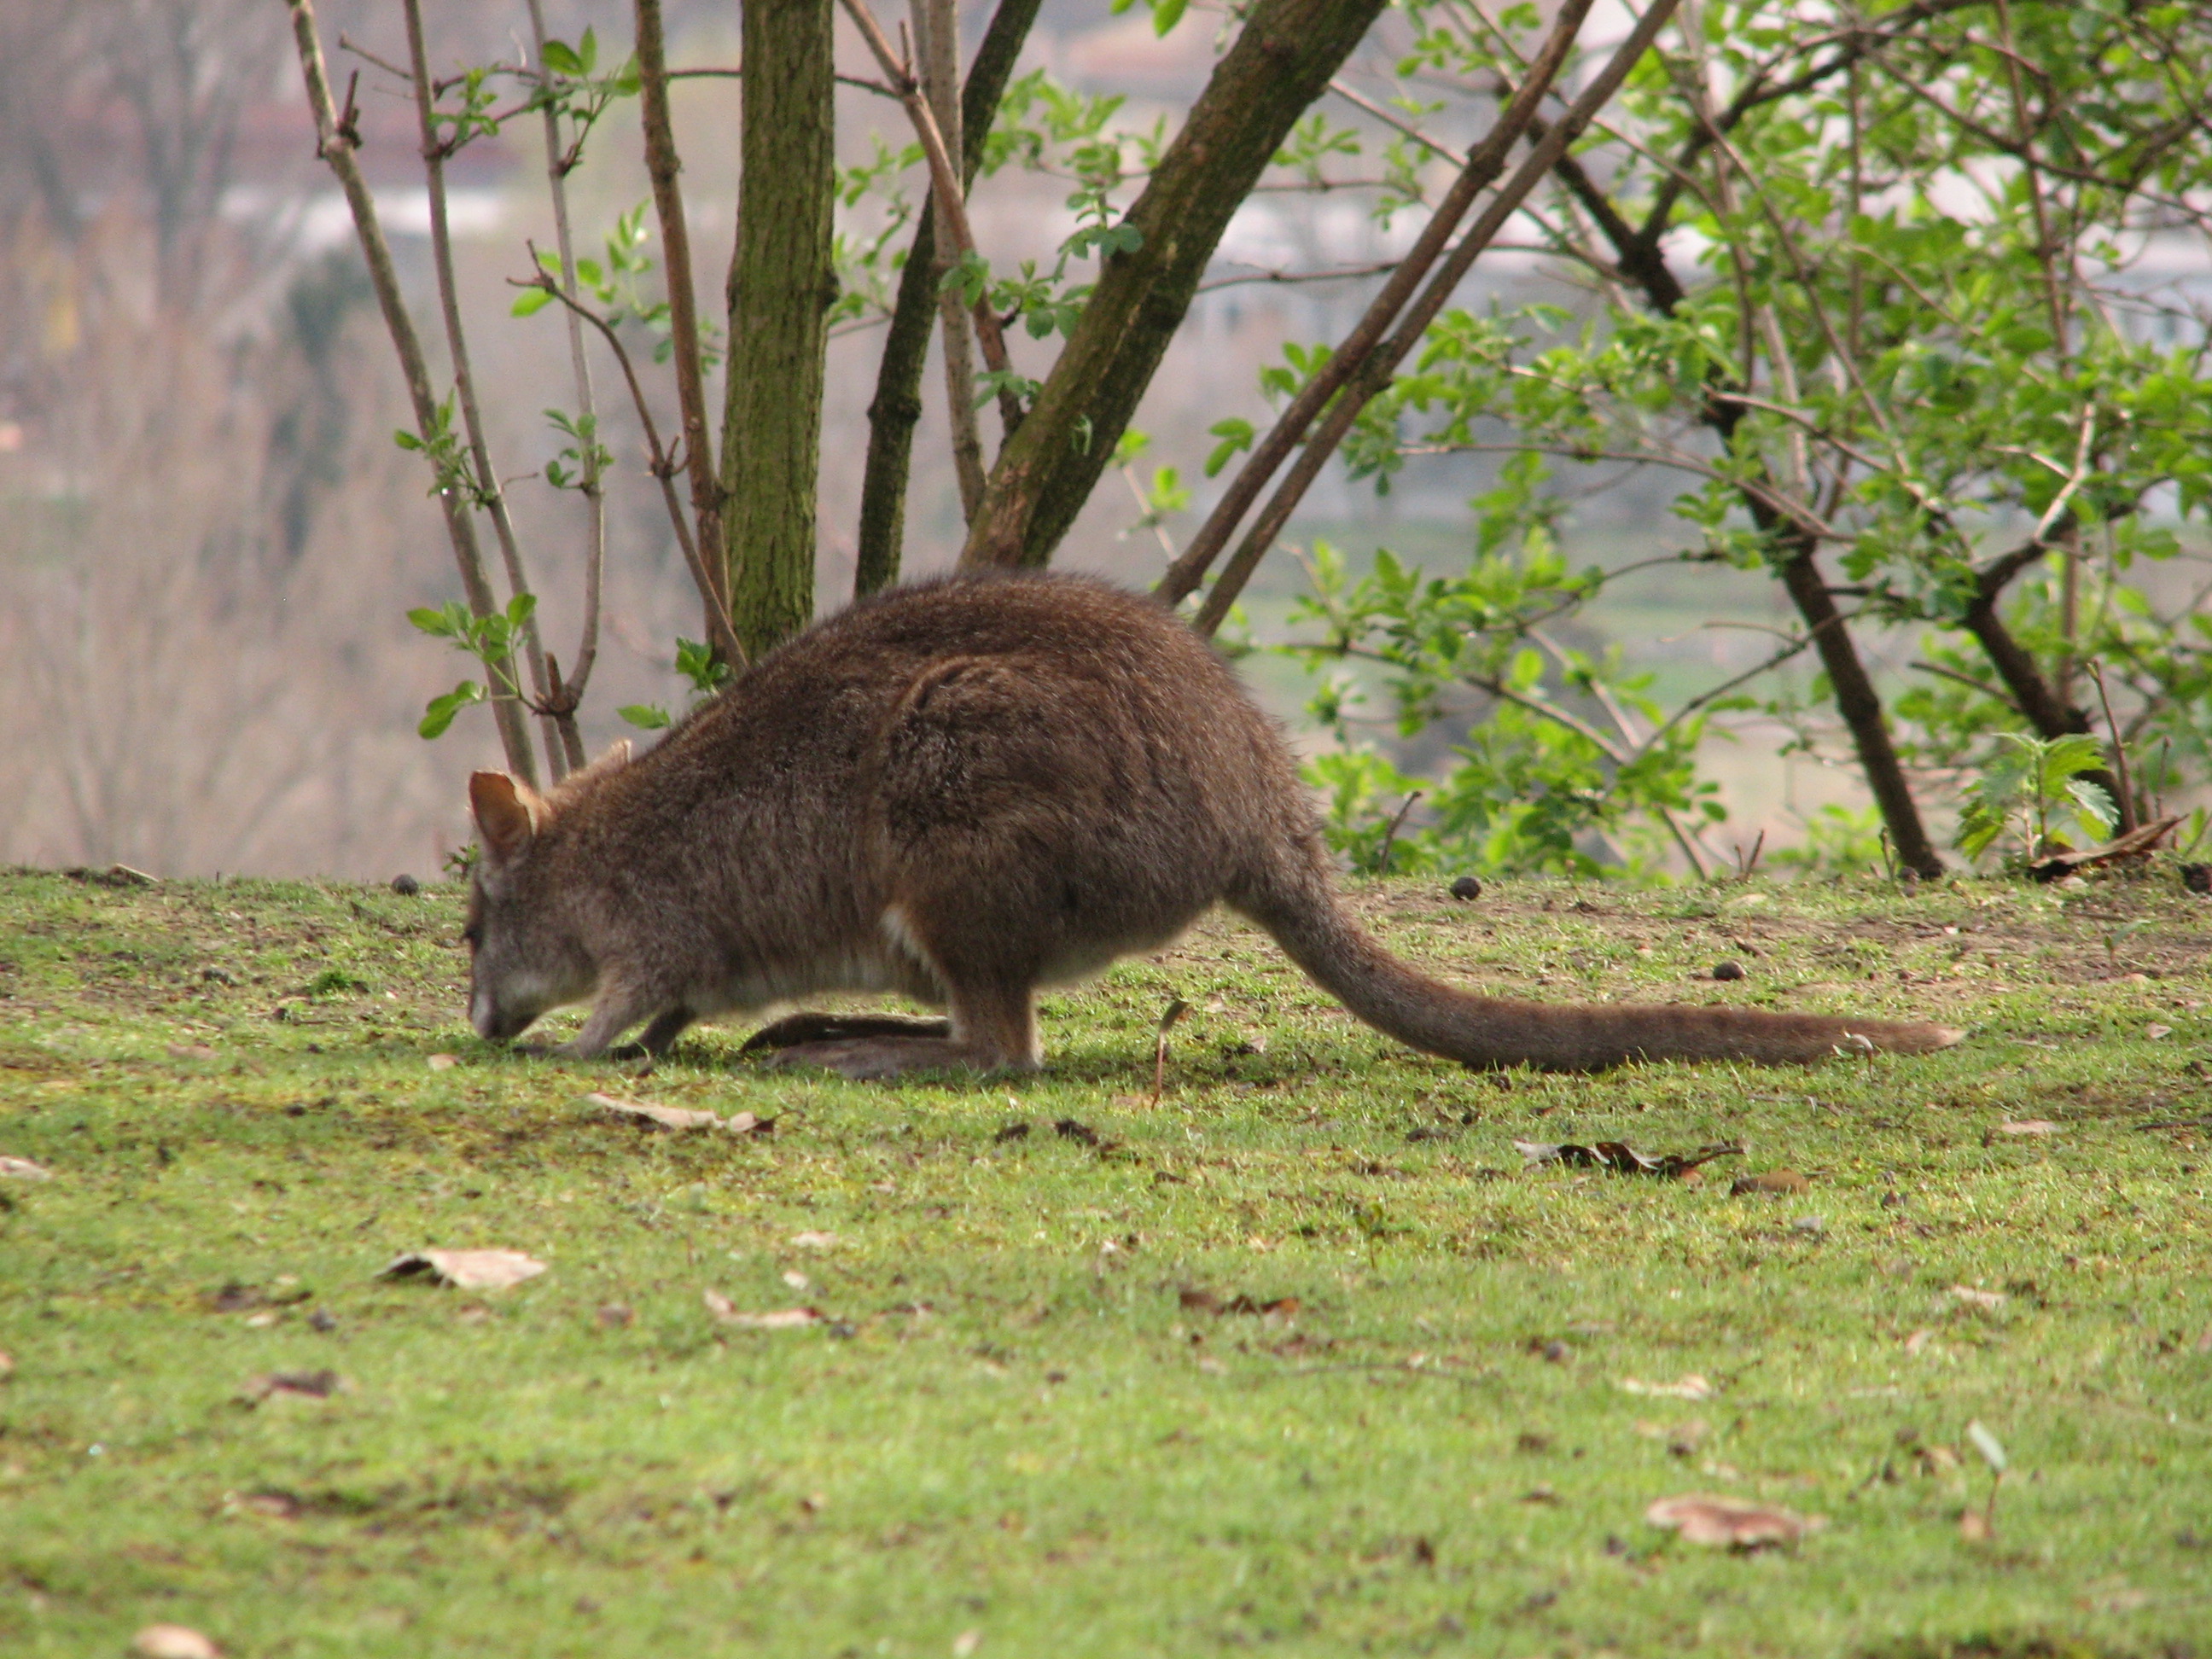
276, 1505
1620, 1157
21, 1169
466, 1270
1690, 1387
617, 1316
1069, 1129
725, 1313
1199, 1301
1541, 1492
7, 1366
813, 1241
310, 1385
443, 1062
191, 1051
966, 1643
744, 1123
1974, 1527
2031, 1126
1919, 1340
2155, 1032
1682, 1438
1017, 1130
1769, 1181
173, 1642
642, 1112
1988, 1301
1704, 1519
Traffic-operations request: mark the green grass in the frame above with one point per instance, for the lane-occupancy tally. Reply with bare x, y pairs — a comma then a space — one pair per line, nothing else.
1014, 1427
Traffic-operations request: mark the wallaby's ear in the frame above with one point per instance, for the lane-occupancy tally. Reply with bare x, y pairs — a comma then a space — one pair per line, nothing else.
505, 811
617, 754
613, 759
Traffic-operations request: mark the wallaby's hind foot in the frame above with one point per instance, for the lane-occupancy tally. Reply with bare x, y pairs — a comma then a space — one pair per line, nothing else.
794, 1029
868, 1058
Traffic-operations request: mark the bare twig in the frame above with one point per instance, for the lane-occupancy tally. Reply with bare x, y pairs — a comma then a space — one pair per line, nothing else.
1381, 361
337, 141
945, 188
1390, 835
1483, 164
663, 466
937, 36
487, 486
570, 694
2127, 800
661, 164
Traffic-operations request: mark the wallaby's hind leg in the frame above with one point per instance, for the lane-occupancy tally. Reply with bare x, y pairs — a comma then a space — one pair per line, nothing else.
794, 1029
991, 1031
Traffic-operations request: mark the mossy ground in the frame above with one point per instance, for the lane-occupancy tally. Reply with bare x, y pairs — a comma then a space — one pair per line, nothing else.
1012, 1435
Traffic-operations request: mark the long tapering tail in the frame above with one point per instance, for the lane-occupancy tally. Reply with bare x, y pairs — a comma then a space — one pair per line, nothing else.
1300, 907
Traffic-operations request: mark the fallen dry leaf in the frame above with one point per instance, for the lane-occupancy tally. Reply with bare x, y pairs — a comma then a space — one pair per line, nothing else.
7, 1366
191, 1051
1703, 1519
617, 1316
2031, 1126
784, 1320
1069, 1129
1690, 1387
665, 1117
466, 1270
966, 1643
816, 1241
1206, 1302
276, 1505
1974, 1527
1973, 1297
1620, 1157
1770, 1180
1918, 1340
312, 1385
2154, 1032
797, 1281
444, 1062
744, 1123
173, 1642
21, 1169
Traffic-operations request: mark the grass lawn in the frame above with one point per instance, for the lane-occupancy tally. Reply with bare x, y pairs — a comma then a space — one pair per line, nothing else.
1033, 1419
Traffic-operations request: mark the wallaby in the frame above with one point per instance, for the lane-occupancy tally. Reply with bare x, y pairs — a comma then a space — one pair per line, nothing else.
963, 790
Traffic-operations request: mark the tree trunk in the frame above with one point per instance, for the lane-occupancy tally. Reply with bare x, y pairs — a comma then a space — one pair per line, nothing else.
898, 403
1281, 63
781, 286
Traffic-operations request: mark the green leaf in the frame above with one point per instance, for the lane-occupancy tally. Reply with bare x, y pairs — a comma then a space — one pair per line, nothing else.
561, 58
1236, 437
520, 608
438, 624
439, 714
2095, 802
647, 716
531, 302
1166, 14
406, 439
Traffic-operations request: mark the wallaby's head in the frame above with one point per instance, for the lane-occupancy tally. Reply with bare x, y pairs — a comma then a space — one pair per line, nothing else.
526, 954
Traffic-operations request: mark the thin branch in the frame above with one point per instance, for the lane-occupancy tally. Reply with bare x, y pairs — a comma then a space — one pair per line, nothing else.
570, 694
937, 36
1388, 118
661, 164
950, 199
663, 466
337, 141
487, 487
1347, 274
1483, 164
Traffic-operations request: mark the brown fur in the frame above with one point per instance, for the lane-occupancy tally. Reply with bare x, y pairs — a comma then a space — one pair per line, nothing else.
962, 790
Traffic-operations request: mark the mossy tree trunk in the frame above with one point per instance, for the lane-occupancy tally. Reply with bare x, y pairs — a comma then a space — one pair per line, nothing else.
781, 288
1280, 62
